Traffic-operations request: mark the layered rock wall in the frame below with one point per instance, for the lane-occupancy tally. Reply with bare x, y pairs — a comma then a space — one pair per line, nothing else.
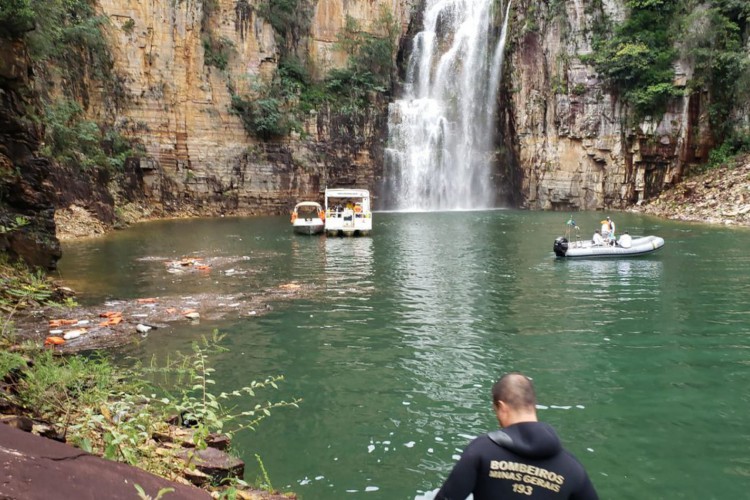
573, 142
178, 106
27, 226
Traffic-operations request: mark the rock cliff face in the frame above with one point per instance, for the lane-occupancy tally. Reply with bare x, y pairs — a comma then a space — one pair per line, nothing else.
570, 135
26, 207
198, 153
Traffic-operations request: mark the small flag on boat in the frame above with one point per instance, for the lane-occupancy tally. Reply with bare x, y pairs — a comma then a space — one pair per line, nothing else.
571, 222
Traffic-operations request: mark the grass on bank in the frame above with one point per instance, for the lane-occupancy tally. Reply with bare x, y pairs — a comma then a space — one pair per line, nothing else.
116, 412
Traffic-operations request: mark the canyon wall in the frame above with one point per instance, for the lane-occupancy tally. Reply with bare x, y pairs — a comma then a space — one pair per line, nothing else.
198, 154
27, 227
571, 137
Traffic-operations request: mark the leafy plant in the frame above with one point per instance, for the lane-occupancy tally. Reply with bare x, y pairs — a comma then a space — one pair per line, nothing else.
143, 496
17, 223
713, 36
209, 412
636, 59
20, 288
115, 412
81, 143
290, 20
128, 26
16, 18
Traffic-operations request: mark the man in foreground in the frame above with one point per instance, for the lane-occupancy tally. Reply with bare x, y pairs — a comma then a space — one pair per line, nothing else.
523, 460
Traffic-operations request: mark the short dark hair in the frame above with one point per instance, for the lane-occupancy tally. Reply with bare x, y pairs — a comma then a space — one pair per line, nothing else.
514, 389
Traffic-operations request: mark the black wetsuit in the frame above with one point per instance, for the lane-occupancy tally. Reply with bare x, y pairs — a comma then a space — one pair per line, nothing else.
523, 461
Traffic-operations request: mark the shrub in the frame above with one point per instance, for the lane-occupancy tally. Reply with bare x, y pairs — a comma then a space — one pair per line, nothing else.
636, 59
128, 26
16, 18
81, 143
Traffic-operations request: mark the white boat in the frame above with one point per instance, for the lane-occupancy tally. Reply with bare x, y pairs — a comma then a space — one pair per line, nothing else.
348, 212
308, 218
639, 245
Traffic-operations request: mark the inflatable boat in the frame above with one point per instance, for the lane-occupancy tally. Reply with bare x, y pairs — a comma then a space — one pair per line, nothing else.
639, 245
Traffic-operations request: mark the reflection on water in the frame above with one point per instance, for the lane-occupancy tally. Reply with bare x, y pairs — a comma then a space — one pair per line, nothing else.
636, 361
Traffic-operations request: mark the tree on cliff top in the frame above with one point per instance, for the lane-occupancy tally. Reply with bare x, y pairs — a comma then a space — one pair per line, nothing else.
16, 18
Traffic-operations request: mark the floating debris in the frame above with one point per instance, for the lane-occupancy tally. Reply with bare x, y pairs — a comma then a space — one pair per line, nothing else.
141, 328
73, 334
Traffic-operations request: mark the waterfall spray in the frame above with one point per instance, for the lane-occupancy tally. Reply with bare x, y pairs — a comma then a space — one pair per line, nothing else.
440, 148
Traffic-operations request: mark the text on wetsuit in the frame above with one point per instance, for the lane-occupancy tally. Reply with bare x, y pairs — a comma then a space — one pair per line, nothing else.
528, 474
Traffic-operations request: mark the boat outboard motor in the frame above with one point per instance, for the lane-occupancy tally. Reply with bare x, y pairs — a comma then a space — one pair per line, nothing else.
561, 246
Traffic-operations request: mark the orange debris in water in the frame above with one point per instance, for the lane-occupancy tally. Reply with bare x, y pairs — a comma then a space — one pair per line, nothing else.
113, 318
54, 323
54, 341
110, 314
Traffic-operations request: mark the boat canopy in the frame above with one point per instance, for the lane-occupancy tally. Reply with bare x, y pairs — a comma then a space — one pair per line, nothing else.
314, 204
349, 194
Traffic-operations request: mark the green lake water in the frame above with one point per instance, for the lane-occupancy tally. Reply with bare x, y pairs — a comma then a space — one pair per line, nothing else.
642, 365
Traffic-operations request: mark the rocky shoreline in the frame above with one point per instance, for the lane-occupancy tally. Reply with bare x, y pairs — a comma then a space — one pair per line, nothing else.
719, 196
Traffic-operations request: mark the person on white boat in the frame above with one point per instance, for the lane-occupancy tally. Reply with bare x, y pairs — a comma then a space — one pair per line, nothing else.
597, 239
608, 230
625, 240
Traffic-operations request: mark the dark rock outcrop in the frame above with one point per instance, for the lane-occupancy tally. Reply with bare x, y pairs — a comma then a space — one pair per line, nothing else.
38, 468
26, 203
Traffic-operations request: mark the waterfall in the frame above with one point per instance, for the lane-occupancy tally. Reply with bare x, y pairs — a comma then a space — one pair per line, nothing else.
440, 132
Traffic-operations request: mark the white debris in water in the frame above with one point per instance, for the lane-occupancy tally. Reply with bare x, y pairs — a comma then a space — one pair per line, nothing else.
580, 407
560, 407
82, 322
352, 491
606, 338
318, 478
386, 442
372, 488
542, 407
590, 449
236, 304
410, 444
305, 481
456, 457
370, 448
141, 328
405, 403
55, 332
477, 385
252, 313
430, 450
438, 438
466, 436
140, 315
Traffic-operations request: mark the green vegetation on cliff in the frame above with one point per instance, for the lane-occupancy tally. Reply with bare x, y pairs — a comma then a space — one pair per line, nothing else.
637, 59
16, 18
69, 51
279, 106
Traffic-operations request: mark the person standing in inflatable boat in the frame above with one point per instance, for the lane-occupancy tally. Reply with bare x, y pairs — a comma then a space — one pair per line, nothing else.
608, 230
